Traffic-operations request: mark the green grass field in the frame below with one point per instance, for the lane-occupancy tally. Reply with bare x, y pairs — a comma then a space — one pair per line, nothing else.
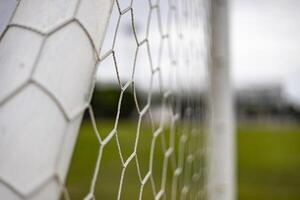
268, 164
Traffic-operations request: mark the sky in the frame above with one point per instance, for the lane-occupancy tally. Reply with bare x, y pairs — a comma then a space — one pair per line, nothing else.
265, 44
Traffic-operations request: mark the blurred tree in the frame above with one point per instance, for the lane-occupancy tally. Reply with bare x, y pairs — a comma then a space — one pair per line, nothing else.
105, 103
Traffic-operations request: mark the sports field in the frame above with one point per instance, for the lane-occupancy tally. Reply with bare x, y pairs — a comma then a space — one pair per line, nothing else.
268, 164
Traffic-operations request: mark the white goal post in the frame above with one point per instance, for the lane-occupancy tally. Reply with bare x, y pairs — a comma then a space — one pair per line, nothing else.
48, 57
221, 138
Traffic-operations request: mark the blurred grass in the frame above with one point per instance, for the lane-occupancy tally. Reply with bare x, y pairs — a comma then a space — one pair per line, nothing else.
268, 161
268, 165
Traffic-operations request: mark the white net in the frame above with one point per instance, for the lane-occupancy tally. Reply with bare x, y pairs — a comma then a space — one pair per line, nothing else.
145, 140
154, 56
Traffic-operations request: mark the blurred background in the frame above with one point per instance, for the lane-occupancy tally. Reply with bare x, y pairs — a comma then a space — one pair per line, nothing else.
266, 78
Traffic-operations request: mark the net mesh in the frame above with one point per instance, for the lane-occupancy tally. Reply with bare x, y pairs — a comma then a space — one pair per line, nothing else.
154, 53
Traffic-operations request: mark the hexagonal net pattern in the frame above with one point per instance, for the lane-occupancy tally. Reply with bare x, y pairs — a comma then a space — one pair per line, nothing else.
159, 48
156, 50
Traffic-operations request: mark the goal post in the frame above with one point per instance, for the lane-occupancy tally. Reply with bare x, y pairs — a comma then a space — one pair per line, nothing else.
221, 141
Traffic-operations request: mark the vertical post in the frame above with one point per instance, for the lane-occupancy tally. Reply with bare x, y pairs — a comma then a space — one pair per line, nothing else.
221, 145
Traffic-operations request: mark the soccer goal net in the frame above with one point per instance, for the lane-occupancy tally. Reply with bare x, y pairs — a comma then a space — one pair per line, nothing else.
134, 73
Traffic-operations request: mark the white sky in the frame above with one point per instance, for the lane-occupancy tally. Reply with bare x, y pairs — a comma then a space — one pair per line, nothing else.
266, 43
